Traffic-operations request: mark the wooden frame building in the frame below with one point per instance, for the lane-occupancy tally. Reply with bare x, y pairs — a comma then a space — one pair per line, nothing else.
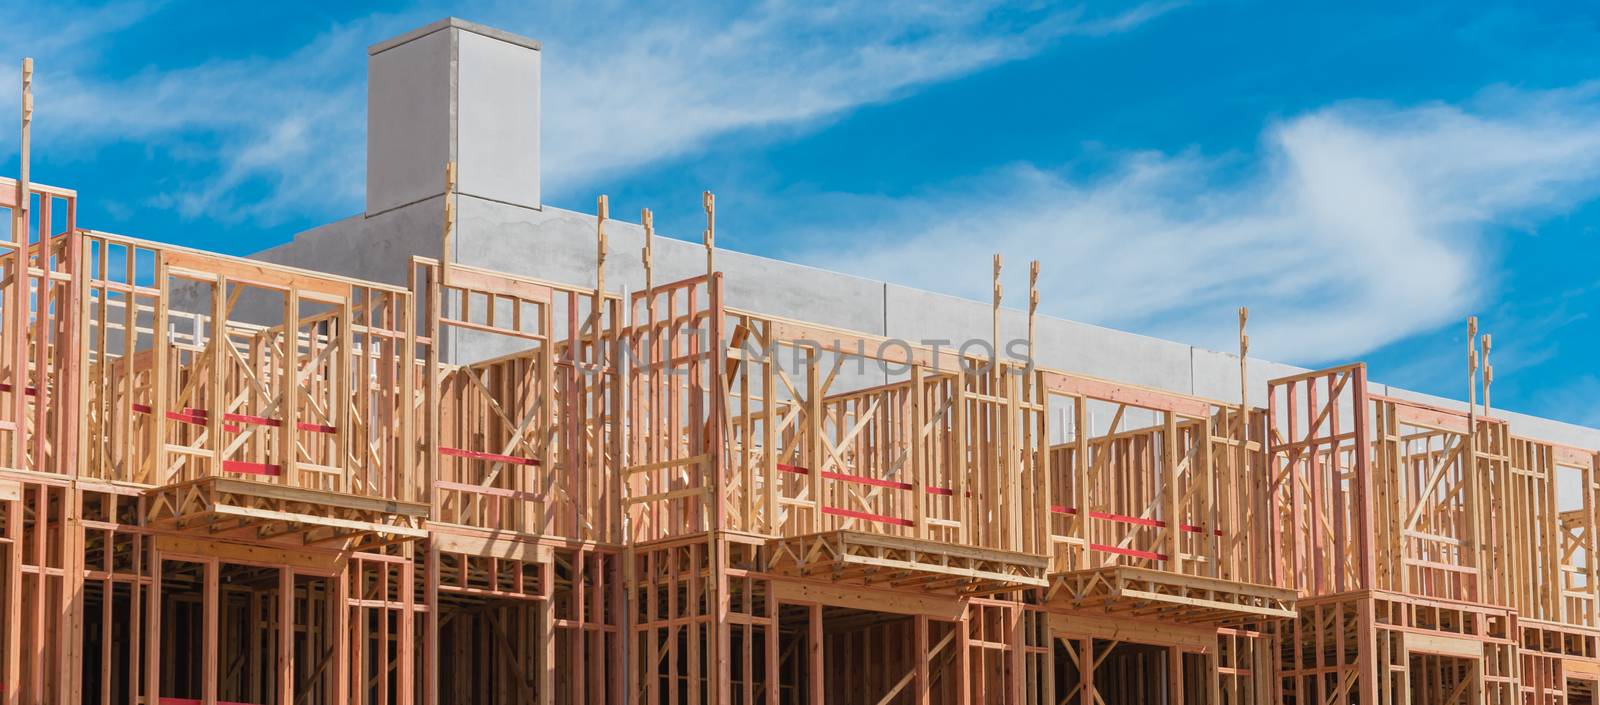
226, 481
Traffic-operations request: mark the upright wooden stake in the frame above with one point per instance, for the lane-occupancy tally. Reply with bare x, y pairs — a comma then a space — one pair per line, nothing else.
446, 253
994, 333
448, 242
1243, 460
1244, 350
709, 202
1033, 307
602, 212
23, 206
1472, 367
286, 665
1470, 455
211, 594
1488, 374
649, 221
19, 289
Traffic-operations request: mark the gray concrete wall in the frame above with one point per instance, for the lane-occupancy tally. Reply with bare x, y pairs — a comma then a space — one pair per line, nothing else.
452, 91
456, 90
558, 245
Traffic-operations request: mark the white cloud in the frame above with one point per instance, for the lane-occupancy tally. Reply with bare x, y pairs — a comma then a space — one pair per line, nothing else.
291, 128
624, 85
1360, 224
663, 83
1573, 401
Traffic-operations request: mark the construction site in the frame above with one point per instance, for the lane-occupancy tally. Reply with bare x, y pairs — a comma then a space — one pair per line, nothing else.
465, 448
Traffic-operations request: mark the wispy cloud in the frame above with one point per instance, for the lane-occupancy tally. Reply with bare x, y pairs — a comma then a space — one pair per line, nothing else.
1573, 401
1356, 225
663, 83
624, 85
260, 138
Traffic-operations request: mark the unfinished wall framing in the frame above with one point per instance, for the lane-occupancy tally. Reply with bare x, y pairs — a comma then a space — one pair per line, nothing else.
225, 481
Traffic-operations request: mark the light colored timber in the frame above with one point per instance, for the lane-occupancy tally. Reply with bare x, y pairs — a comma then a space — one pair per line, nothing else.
227, 481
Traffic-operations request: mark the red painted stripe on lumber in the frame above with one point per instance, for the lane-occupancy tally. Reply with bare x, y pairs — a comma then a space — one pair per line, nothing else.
1153, 523
872, 481
275, 423
252, 420
240, 466
1150, 555
864, 480
191, 701
201, 417
199, 420
480, 455
315, 427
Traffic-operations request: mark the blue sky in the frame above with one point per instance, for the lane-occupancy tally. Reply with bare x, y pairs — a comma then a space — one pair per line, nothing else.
1362, 177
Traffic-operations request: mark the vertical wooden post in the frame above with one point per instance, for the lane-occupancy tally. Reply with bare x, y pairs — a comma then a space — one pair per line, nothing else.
1080, 479
994, 308
159, 354
1175, 675
709, 202
1258, 482
447, 255
547, 642
648, 220
21, 217
433, 383
1469, 452
342, 390
1016, 685
1488, 374
1087, 695
1169, 487
1361, 488
602, 212
1472, 372
447, 240
816, 457
24, 163
209, 603
814, 656
992, 528
289, 433
924, 691
361, 635
152, 632
1044, 475
407, 488
340, 610
919, 469
216, 391
286, 665
68, 635
42, 385
13, 599
963, 628
1033, 311
1366, 652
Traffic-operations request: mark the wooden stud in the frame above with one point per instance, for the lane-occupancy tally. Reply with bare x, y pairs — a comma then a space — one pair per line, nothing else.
648, 220
994, 333
1033, 309
668, 530
709, 203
